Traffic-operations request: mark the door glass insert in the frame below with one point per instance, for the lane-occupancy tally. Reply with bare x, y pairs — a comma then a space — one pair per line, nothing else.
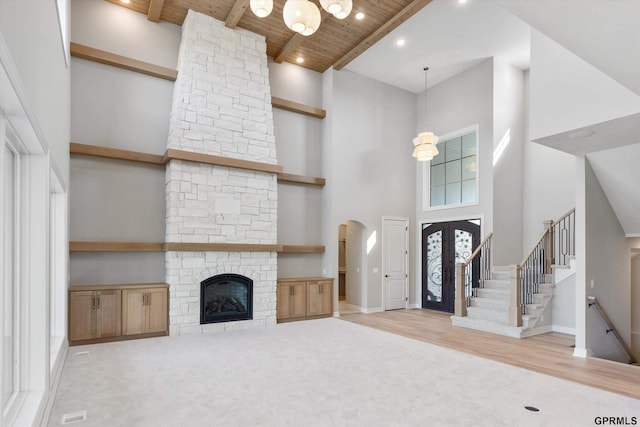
434, 267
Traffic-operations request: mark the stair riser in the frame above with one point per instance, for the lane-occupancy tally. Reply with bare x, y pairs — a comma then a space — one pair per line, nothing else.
503, 285
496, 316
486, 293
499, 305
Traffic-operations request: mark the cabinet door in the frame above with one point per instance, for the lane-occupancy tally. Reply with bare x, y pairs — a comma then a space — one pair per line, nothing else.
319, 298
326, 297
81, 315
108, 313
298, 298
133, 311
284, 301
156, 307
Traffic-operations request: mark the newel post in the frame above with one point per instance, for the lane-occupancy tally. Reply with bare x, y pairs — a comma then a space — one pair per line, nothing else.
548, 247
515, 309
460, 309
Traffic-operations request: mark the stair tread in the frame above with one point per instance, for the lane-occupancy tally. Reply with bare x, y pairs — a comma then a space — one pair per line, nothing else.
487, 326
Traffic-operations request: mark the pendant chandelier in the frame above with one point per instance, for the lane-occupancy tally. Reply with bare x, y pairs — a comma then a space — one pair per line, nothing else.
425, 143
303, 16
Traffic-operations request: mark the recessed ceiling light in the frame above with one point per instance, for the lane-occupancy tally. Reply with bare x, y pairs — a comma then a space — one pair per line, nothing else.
400, 42
359, 16
299, 59
125, 1
462, 1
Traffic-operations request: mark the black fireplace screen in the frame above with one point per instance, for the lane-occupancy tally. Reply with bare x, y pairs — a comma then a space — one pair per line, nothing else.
226, 298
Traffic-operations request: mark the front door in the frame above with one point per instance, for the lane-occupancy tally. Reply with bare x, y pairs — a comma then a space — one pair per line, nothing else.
443, 245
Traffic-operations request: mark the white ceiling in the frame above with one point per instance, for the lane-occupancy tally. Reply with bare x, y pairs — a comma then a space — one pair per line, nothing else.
449, 38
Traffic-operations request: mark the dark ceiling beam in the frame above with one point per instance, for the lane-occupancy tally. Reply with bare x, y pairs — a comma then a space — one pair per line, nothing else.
236, 12
411, 9
155, 8
295, 41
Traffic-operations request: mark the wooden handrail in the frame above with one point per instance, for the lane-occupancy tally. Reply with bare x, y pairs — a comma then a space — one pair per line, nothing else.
594, 301
477, 250
533, 248
563, 217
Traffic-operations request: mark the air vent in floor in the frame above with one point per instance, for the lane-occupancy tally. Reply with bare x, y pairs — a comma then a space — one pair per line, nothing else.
74, 417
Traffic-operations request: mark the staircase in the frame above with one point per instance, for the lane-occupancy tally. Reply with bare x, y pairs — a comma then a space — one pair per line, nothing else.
489, 310
515, 300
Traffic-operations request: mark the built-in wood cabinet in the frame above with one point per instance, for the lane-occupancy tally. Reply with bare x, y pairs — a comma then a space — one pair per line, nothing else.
96, 314
100, 313
320, 298
144, 311
303, 298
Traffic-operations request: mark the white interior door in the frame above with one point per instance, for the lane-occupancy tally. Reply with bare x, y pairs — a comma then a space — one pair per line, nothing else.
395, 246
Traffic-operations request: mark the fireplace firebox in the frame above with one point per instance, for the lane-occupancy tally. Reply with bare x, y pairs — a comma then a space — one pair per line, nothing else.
226, 298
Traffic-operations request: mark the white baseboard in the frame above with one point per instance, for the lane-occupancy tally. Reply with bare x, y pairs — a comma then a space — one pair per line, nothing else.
581, 352
413, 306
563, 329
336, 314
372, 310
56, 374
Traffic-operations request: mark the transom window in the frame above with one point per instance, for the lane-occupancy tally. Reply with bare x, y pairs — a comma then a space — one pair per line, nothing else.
453, 172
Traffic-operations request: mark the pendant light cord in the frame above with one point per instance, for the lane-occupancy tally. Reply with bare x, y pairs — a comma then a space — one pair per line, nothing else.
425, 95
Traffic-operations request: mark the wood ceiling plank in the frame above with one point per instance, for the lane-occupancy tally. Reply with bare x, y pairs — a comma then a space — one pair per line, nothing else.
406, 13
155, 10
236, 12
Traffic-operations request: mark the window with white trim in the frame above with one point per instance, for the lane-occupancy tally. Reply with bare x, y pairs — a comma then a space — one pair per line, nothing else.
453, 173
10, 279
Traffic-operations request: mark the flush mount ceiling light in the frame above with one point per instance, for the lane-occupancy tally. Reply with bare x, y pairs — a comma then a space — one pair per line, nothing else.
261, 8
425, 143
303, 16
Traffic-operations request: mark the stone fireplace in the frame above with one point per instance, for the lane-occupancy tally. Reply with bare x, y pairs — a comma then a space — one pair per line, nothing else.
221, 107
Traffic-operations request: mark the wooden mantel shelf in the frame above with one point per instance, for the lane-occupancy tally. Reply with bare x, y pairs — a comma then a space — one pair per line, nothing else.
189, 247
161, 160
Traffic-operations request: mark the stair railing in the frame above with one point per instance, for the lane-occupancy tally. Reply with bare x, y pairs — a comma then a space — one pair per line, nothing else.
593, 302
480, 263
558, 239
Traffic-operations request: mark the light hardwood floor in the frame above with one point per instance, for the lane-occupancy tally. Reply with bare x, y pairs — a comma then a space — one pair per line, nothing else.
550, 353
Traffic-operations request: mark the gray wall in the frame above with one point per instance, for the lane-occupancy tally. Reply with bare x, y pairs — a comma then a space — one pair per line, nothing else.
32, 35
549, 184
114, 200
299, 147
608, 264
368, 165
508, 177
563, 305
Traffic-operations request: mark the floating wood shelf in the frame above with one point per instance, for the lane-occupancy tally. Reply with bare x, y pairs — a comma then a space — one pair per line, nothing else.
302, 249
115, 153
156, 159
301, 179
108, 58
189, 247
209, 159
296, 107
115, 247
220, 247
119, 61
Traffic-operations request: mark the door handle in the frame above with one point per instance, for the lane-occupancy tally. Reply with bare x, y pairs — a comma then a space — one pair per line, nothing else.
290, 290
93, 303
98, 304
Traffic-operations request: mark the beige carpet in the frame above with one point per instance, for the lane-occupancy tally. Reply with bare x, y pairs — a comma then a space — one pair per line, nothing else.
314, 373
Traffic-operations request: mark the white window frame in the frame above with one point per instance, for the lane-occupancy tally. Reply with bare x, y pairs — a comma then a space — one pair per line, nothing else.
426, 173
7, 136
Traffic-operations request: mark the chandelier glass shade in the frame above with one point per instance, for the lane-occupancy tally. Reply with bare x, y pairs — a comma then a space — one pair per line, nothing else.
261, 8
301, 16
338, 8
425, 146
425, 143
